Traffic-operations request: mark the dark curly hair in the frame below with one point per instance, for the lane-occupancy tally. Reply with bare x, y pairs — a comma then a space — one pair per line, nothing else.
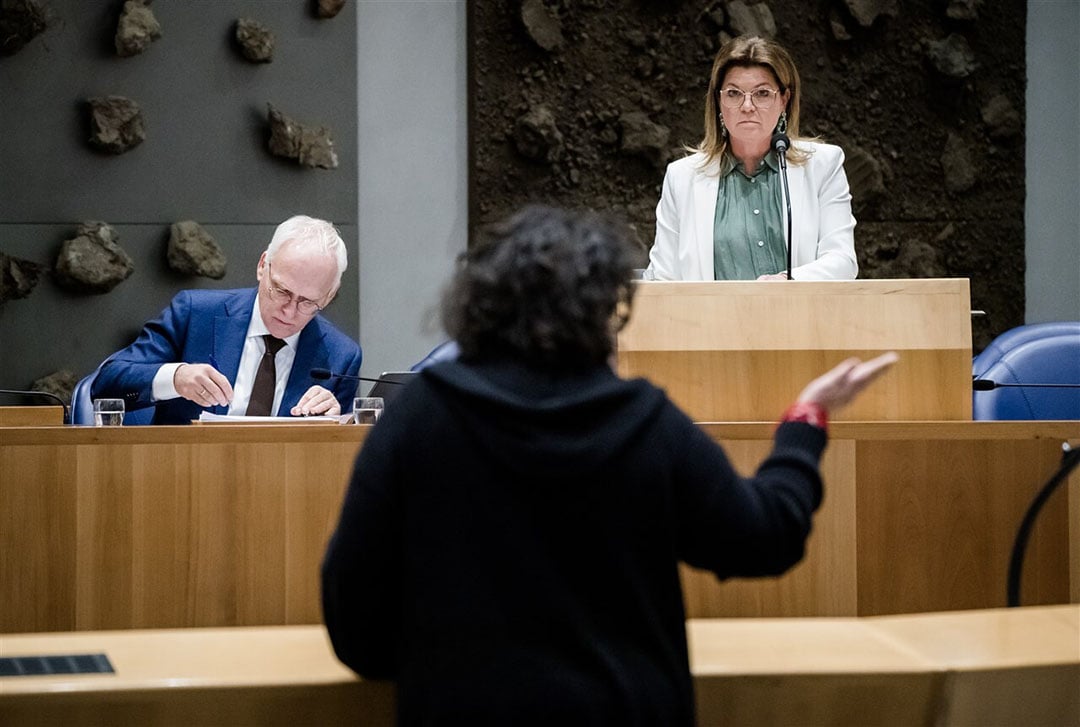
546, 285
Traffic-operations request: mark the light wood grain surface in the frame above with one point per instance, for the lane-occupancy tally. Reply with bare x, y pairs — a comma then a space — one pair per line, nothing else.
939, 669
159, 527
742, 351
31, 416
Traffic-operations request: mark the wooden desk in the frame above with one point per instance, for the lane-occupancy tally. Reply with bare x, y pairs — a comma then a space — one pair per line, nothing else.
1007, 666
31, 416
162, 527
918, 516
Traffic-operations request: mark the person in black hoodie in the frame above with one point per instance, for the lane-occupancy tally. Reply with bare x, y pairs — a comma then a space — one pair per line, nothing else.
508, 546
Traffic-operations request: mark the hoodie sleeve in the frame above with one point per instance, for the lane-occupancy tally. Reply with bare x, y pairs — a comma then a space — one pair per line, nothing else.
746, 526
362, 566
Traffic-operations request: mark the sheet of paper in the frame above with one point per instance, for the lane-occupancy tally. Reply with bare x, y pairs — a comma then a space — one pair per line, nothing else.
211, 418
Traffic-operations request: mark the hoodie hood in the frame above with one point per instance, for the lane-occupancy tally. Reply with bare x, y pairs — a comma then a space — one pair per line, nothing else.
542, 423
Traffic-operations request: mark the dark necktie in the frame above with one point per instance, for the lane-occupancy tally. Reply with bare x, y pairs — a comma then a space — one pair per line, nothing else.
262, 391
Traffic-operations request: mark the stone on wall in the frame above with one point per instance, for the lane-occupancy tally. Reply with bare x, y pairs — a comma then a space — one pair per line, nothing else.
61, 383
537, 136
18, 277
756, 19
866, 12
544, 28
137, 29
952, 56
865, 176
963, 9
20, 22
116, 124
92, 262
643, 137
956, 161
311, 146
255, 40
328, 8
193, 251
1001, 118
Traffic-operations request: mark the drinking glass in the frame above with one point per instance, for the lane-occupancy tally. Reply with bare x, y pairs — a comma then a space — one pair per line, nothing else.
108, 412
367, 409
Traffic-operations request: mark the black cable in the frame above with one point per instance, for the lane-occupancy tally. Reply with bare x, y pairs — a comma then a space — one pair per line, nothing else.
47, 394
1069, 460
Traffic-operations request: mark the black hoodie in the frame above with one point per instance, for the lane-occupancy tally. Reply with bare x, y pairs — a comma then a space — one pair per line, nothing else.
508, 546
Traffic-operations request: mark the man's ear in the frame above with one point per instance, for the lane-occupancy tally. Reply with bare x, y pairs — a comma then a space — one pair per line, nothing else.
260, 268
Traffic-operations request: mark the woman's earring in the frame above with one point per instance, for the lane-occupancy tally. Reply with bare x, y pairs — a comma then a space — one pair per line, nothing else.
723, 129
781, 123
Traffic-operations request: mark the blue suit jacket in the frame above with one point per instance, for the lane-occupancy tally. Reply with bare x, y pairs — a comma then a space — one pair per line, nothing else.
209, 326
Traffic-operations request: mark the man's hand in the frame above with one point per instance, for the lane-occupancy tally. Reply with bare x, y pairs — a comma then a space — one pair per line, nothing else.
837, 388
202, 384
782, 275
316, 400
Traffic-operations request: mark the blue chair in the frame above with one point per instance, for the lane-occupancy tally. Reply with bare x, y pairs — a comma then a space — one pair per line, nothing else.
1017, 359
82, 406
1016, 336
445, 351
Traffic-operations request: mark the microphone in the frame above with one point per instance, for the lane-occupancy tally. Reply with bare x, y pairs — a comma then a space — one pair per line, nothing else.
1069, 461
48, 394
988, 385
780, 144
324, 374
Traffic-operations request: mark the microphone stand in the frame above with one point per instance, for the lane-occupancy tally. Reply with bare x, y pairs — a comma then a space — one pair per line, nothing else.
63, 404
1069, 461
780, 144
990, 385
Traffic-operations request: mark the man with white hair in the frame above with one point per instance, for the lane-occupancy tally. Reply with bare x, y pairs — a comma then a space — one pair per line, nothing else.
248, 351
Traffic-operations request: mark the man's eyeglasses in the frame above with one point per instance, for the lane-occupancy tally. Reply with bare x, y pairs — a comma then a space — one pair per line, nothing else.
285, 296
762, 98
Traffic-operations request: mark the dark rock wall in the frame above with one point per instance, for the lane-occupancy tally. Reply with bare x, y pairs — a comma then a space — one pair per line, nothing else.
583, 102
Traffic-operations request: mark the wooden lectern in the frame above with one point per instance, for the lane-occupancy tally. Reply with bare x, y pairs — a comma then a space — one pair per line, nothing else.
742, 351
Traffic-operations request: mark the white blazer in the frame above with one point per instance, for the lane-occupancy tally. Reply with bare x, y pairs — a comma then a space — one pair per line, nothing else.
823, 228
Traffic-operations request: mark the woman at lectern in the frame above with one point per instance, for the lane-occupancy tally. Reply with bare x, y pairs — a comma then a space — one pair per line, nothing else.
508, 547
722, 213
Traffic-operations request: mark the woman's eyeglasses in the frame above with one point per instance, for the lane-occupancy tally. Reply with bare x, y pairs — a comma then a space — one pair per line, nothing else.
762, 98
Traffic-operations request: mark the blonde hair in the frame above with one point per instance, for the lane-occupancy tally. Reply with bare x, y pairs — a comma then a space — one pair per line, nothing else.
751, 51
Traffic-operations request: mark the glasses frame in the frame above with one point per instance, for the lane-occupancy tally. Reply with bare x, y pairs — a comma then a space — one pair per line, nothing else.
773, 93
281, 295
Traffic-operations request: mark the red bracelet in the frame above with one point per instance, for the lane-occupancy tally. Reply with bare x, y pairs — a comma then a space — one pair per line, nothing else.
810, 412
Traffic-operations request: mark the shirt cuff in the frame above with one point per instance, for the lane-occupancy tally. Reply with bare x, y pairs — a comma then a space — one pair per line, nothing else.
162, 387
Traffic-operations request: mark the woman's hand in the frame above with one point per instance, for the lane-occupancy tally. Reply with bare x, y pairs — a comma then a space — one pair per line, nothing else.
837, 388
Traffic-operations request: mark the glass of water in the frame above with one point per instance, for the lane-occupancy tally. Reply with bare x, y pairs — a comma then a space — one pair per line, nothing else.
367, 409
108, 412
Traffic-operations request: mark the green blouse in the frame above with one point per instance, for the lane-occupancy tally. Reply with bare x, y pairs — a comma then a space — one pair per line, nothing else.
748, 226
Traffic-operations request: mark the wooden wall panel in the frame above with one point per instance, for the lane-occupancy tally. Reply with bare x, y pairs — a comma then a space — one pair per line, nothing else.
157, 527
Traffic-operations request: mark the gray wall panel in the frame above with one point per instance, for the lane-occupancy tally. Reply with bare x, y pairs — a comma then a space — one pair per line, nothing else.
205, 114
55, 329
204, 159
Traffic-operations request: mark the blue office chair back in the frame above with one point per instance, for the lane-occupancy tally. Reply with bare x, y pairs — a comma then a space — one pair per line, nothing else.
82, 406
445, 351
1048, 355
1014, 337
